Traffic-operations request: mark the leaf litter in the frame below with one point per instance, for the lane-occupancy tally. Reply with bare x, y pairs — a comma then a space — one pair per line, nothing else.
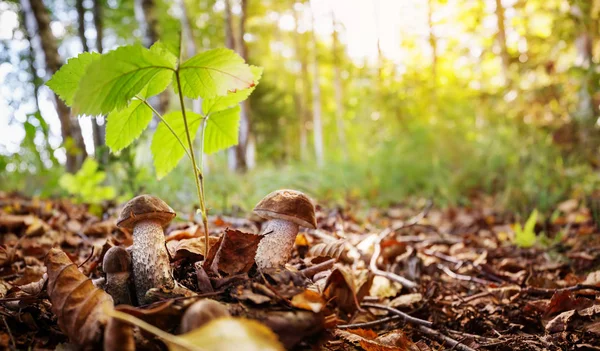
403, 278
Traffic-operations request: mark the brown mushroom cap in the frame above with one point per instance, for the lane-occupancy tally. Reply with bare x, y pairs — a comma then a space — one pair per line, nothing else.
289, 205
143, 208
116, 260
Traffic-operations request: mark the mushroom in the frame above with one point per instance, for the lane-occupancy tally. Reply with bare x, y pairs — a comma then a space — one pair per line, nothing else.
117, 266
147, 216
202, 312
285, 211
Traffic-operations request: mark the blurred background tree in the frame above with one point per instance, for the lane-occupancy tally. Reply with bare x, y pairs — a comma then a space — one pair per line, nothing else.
372, 101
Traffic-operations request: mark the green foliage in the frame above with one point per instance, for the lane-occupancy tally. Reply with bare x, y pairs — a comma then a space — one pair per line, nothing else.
166, 150
525, 235
86, 184
126, 125
222, 130
221, 103
66, 81
107, 83
117, 76
214, 73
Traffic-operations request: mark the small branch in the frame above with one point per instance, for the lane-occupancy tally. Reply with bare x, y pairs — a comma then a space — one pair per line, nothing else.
446, 340
389, 275
323, 266
12, 339
542, 291
459, 276
369, 324
406, 317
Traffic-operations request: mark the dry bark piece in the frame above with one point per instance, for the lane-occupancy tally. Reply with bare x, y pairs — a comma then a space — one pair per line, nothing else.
147, 215
117, 266
78, 305
285, 211
202, 312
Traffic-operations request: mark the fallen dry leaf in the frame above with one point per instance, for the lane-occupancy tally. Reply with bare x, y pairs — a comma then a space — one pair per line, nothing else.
309, 300
78, 305
236, 251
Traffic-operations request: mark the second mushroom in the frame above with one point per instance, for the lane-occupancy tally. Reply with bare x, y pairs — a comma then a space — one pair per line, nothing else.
286, 210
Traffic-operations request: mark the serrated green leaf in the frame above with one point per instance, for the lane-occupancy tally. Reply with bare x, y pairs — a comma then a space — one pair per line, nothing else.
222, 129
124, 126
229, 334
220, 103
66, 81
157, 86
111, 81
165, 148
214, 73
170, 41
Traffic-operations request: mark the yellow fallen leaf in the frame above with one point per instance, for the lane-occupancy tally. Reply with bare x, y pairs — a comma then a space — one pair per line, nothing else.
231, 334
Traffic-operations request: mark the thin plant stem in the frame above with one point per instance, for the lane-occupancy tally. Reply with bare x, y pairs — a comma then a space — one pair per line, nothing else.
169, 338
198, 177
166, 125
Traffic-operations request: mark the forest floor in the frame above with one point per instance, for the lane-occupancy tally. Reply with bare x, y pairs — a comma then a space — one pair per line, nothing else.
474, 289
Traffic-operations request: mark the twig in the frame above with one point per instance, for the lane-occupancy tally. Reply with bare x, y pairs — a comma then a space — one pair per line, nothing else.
369, 324
543, 291
459, 276
406, 317
457, 345
87, 259
323, 266
423, 326
12, 339
389, 275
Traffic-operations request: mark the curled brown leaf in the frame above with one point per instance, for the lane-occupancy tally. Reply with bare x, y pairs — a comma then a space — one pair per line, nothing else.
78, 305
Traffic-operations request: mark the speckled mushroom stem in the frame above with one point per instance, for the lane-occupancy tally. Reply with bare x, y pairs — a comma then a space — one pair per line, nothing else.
151, 268
275, 249
117, 286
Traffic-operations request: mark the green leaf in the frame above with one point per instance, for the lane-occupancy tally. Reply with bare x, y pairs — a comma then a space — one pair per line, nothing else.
220, 103
111, 81
525, 236
124, 126
157, 86
222, 129
170, 41
165, 148
214, 73
230, 334
85, 185
66, 81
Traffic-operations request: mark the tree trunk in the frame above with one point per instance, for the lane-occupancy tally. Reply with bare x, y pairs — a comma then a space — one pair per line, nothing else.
302, 88
238, 153
81, 24
96, 129
432, 44
316, 92
99, 130
71, 133
245, 124
502, 41
146, 14
338, 89
99, 25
